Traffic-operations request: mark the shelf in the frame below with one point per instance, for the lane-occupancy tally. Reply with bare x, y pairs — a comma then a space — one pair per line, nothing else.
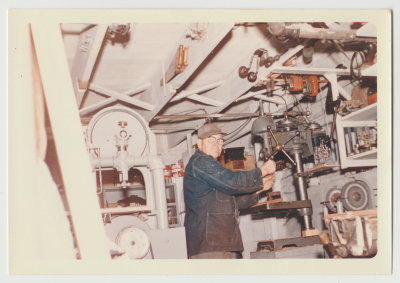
310, 71
130, 187
129, 209
370, 154
364, 117
370, 71
368, 113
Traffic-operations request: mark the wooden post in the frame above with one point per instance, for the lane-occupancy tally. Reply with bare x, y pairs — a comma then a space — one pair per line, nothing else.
71, 150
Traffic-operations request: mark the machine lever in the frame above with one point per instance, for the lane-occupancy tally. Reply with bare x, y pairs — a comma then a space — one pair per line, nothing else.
280, 146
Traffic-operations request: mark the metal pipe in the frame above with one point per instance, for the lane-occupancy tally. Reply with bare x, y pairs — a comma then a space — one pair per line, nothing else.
112, 162
171, 129
302, 189
157, 169
189, 144
327, 34
280, 30
202, 116
156, 166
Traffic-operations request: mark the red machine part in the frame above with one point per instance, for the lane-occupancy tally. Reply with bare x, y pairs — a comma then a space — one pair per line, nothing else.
372, 98
296, 83
307, 84
314, 85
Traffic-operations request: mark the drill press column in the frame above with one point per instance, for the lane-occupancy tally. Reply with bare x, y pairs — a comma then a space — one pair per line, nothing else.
304, 212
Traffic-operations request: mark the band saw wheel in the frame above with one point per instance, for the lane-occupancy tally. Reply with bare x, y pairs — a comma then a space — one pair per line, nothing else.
131, 234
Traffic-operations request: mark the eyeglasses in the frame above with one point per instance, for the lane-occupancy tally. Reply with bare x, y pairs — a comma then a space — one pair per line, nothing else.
214, 139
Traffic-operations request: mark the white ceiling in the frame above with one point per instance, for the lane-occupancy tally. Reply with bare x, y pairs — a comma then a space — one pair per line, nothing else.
216, 51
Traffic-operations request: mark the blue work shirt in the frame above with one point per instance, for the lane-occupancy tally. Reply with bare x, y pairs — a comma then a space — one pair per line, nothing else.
213, 196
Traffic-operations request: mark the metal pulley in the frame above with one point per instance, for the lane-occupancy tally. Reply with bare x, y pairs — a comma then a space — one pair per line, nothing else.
332, 197
115, 128
244, 71
355, 195
131, 234
252, 76
134, 241
262, 60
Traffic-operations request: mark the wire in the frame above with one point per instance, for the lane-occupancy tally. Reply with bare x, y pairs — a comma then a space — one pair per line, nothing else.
298, 105
324, 110
356, 74
283, 100
238, 129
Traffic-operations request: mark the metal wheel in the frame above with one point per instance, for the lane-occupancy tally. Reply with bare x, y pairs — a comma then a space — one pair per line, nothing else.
332, 197
355, 195
130, 233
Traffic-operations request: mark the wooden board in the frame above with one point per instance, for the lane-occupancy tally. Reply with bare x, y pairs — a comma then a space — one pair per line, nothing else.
267, 202
128, 209
352, 214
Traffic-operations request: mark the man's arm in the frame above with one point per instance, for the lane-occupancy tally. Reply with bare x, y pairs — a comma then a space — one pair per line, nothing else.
230, 182
247, 200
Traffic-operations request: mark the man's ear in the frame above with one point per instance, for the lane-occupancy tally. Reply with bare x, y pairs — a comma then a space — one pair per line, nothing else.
200, 144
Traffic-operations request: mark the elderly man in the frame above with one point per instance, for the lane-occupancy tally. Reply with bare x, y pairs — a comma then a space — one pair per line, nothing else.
213, 196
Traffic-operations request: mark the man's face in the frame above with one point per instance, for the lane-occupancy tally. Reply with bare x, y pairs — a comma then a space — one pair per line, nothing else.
212, 145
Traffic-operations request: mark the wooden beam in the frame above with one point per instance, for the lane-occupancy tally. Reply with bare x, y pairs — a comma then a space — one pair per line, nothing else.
332, 78
186, 93
122, 97
74, 160
90, 43
107, 101
128, 209
205, 100
199, 50
343, 92
234, 87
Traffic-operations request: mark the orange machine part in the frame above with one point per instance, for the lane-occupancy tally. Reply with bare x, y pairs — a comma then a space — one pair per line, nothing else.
314, 85
372, 98
297, 83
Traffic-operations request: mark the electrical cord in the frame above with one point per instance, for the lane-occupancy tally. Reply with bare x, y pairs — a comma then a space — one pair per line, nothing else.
237, 130
283, 100
298, 105
357, 55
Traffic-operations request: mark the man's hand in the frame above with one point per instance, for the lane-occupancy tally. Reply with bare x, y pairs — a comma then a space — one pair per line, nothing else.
268, 182
268, 167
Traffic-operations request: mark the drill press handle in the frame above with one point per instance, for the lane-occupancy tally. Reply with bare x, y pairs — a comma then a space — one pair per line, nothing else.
280, 146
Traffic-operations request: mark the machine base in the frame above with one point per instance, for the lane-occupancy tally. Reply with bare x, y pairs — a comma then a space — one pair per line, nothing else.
279, 244
313, 251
